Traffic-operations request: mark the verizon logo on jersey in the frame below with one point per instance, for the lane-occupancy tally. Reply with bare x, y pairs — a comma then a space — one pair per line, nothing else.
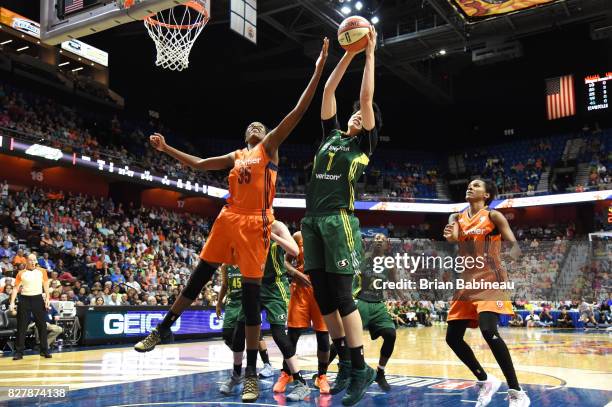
328, 177
248, 161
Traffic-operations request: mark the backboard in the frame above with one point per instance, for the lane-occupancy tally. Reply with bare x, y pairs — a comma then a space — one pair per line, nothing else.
62, 20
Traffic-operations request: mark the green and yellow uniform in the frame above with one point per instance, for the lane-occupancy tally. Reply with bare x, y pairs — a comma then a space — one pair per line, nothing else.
233, 298
274, 287
332, 239
370, 300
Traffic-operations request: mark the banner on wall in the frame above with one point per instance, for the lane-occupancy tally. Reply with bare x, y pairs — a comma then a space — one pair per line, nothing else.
86, 51
482, 9
19, 22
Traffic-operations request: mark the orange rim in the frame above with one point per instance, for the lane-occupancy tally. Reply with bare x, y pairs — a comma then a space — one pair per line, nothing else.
196, 5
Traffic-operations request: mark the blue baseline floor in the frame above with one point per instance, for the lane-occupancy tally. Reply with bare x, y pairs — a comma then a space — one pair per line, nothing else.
202, 389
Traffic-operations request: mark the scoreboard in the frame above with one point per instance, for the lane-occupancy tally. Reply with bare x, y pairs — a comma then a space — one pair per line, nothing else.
596, 91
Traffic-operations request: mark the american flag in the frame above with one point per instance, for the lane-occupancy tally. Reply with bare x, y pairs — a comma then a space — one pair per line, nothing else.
560, 97
72, 5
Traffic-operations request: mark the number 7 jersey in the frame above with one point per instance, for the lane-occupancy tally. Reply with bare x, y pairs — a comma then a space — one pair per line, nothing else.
252, 180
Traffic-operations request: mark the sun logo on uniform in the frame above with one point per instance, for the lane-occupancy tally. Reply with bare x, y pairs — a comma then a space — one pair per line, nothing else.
500, 304
483, 218
342, 264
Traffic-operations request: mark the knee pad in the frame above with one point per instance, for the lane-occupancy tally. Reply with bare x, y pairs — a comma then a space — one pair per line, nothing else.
239, 338
251, 304
199, 277
322, 341
489, 333
346, 304
325, 299
282, 341
228, 336
388, 345
294, 334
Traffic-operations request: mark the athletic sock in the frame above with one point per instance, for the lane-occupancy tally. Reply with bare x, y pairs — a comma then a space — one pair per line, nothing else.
342, 350
168, 321
357, 360
251, 360
237, 370
298, 377
322, 368
264, 356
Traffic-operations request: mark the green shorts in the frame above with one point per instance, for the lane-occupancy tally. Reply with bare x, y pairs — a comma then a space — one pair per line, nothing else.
230, 316
332, 243
374, 317
275, 301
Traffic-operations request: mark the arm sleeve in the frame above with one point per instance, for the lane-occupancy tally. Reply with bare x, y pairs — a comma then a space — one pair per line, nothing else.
368, 140
329, 126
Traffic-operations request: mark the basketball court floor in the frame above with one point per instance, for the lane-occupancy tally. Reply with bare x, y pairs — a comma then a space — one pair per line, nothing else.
557, 368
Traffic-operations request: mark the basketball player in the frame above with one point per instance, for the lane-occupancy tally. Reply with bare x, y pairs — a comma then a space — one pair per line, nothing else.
231, 289
275, 300
243, 226
304, 311
479, 231
332, 244
371, 305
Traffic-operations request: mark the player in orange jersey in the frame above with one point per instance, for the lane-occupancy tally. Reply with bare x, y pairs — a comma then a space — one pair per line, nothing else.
303, 310
479, 231
241, 233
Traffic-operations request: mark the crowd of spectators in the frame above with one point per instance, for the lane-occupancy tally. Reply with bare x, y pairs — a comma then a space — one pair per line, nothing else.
100, 253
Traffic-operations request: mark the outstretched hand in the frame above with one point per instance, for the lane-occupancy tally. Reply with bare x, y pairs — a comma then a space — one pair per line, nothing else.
323, 55
371, 46
157, 141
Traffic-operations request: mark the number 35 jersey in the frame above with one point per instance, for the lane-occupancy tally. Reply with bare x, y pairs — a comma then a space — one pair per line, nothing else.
252, 181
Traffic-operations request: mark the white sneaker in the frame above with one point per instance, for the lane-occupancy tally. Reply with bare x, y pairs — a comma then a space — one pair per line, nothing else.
518, 398
267, 371
488, 388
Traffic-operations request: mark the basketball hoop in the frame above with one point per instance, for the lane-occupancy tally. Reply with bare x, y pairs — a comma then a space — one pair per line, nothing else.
175, 30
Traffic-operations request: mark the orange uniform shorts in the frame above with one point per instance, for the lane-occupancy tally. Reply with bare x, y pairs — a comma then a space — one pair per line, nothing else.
303, 309
470, 310
240, 237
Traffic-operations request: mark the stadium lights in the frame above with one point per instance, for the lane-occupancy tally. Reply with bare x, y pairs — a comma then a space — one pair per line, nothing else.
6, 42
442, 52
375, 20
359, 5
64, 63
346, 10
23, 48
77, 69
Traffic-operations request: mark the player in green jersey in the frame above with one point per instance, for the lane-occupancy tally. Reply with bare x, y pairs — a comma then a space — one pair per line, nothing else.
231, 291
332, 241
369, 294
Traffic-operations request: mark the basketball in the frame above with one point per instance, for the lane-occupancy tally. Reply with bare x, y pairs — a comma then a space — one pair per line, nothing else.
353, 33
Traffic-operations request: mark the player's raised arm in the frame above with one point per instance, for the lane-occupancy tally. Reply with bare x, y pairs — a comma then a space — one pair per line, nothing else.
213, 163
328, 104
276, 137
451, 231
366, 95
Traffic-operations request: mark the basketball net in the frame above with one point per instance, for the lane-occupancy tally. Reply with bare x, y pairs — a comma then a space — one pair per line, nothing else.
174, 32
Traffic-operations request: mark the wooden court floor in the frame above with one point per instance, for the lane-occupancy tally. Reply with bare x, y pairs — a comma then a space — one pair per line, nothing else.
556, 368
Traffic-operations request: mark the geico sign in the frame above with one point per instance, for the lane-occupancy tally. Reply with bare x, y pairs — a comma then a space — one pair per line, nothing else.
117, 324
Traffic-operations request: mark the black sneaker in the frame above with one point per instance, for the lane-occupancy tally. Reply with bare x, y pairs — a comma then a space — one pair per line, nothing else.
382, 380
18, 356
342, 378
46, 355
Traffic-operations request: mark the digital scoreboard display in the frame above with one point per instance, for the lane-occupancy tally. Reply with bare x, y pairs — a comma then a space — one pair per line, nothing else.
597, 91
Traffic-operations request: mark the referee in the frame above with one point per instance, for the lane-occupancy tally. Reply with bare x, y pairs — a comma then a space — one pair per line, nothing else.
33, 281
